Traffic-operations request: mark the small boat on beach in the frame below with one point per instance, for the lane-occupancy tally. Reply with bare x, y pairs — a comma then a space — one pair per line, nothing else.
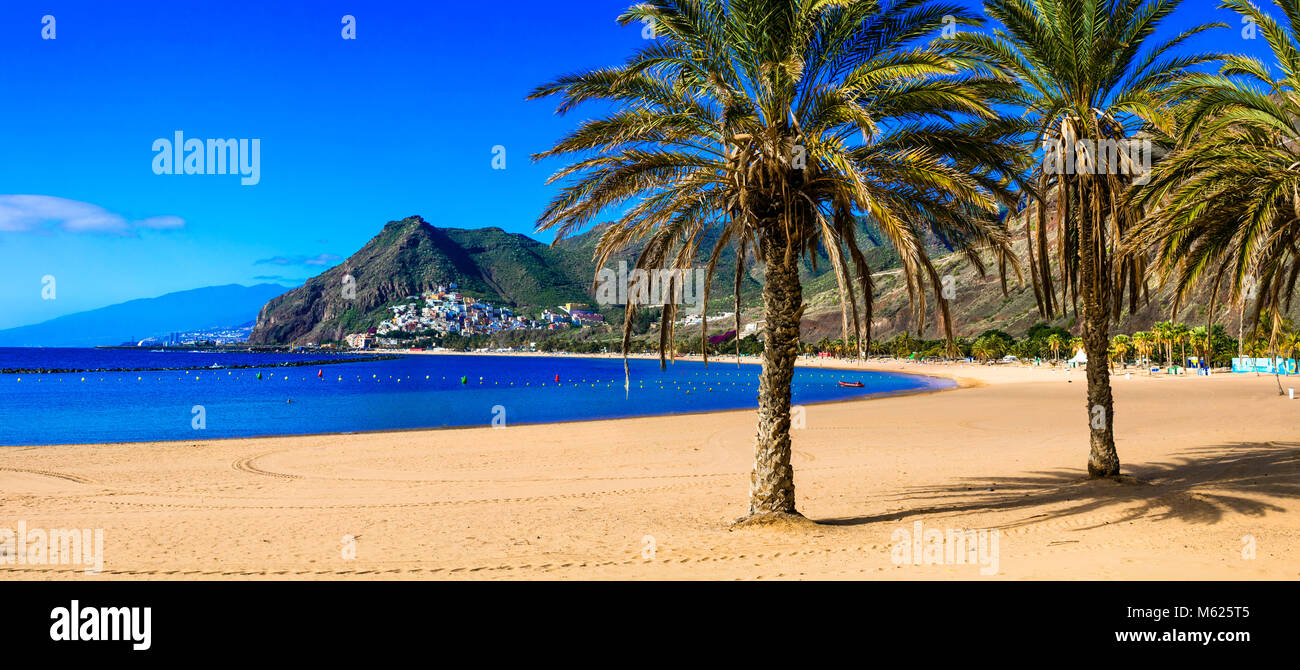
855, 385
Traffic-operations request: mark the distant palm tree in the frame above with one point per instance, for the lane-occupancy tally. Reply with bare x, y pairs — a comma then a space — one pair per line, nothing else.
1201, 345
767, 126
1180, 335
988, 347
1288, 345
1280, 334
1091, 75
1142, 343
1164, 336
1055, 342
1120, 345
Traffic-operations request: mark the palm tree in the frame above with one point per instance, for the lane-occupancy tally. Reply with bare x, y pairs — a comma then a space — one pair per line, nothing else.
1282, 330
1025, 349
1227, 212
988, 347
1076, 345
1200, 337
1120, 345
1164, 336
1257, 346
766, 126
1142, 343
1179, 335
1055, 342
1288, 344
1090, 77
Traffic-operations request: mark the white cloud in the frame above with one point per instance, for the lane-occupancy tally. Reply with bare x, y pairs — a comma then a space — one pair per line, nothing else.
26, 213
167, 222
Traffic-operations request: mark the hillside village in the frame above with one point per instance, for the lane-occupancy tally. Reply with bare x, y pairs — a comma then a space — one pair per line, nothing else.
447, 310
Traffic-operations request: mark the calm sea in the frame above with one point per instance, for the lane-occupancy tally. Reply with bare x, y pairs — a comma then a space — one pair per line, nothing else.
408, 392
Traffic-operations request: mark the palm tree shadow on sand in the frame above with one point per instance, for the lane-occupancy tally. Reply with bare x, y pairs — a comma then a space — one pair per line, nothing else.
1199, 486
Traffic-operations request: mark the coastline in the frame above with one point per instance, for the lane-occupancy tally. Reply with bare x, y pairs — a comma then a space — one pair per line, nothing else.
579, 500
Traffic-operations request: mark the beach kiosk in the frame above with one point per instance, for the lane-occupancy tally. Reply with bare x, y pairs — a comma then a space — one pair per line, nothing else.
1080, 358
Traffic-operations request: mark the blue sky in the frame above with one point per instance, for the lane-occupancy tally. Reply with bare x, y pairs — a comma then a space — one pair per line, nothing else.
353, 133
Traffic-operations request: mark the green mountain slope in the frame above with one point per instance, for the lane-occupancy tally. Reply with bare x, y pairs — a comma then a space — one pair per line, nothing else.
880, 256
410, 256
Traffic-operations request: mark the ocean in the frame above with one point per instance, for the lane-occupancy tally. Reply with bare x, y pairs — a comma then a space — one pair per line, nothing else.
415, 391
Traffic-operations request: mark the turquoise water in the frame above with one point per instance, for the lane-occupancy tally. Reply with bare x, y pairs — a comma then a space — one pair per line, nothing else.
404, 393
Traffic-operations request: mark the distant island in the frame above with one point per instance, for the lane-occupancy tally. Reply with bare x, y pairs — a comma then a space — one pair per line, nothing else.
218, 314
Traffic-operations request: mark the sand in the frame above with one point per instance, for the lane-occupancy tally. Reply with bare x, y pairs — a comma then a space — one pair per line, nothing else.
1214, 465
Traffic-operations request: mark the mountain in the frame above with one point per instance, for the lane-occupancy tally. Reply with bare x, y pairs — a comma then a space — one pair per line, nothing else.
978, 304
410, 256
876, 251
196, 309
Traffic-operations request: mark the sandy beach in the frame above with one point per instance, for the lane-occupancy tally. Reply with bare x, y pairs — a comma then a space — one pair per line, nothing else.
1214, 465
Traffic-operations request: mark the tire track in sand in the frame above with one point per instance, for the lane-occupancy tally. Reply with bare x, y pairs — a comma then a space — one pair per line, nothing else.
246, 465
78, 479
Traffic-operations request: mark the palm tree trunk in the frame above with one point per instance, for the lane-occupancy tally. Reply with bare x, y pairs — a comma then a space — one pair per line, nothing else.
1241, 330
1103, 460
740, 264
1272, 347
771, 491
